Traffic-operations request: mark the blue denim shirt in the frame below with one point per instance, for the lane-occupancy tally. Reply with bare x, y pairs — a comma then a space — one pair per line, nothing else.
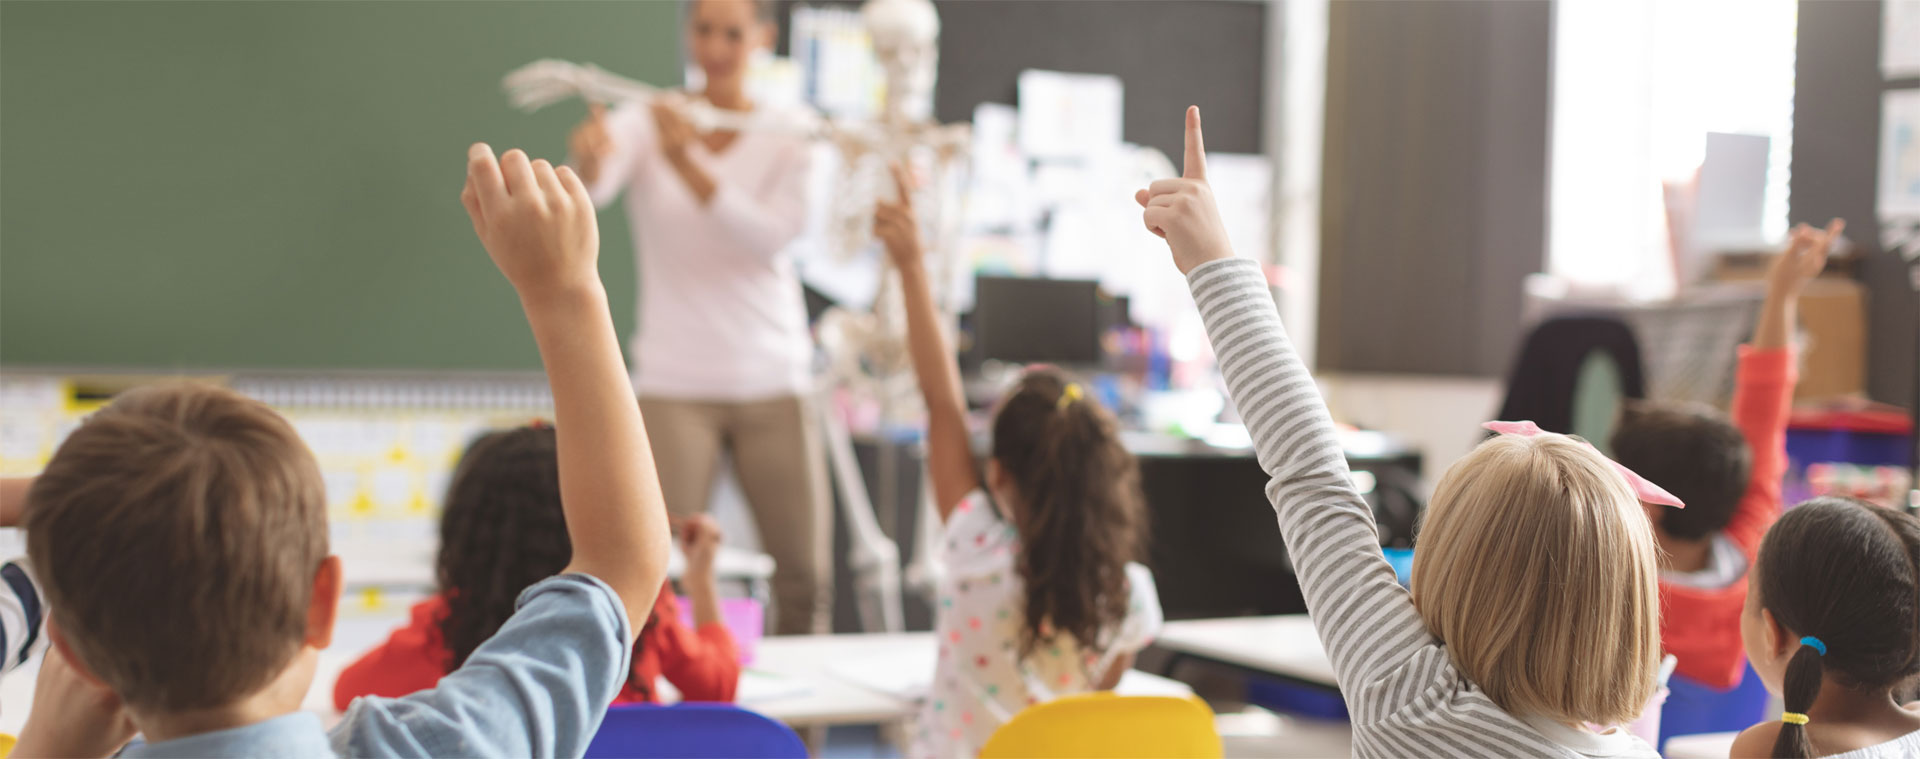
539, 687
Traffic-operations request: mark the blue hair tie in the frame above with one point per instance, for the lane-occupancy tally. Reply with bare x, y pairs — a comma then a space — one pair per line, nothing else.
1815, 644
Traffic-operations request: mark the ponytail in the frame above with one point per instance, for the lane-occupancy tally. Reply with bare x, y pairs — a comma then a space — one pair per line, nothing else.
1849, 573
1802, 686
1079, 515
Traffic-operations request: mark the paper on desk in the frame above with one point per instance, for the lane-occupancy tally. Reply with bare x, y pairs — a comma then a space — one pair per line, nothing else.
757, 687
904, 674
1133, 682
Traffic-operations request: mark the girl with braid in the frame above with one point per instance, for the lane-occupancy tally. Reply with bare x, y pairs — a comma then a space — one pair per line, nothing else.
501, 532
1832, 624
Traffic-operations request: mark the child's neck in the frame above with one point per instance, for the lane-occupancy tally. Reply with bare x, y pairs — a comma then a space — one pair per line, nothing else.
1677, 555
1873, 711
280, 697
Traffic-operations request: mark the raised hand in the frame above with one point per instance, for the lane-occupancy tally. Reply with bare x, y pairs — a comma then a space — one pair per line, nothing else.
590, 142
896, 225
1183, 211
536, 222
700, 539
1805, 255
670, 121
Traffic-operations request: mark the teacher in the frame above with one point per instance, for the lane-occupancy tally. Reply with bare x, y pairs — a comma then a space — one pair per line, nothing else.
722, 356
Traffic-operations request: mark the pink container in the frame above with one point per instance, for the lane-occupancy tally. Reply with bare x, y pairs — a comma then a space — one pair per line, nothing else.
747, 620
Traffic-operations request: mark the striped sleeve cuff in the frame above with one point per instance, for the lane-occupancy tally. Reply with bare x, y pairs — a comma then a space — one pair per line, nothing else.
21, 614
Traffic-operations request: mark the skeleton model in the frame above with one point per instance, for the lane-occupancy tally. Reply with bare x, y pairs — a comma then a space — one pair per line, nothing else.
866, 350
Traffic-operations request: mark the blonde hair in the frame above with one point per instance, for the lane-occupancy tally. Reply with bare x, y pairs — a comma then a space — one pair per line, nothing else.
1537, 569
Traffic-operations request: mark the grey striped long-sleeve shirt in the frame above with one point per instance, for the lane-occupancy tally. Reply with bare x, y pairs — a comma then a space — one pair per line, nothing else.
1403, 694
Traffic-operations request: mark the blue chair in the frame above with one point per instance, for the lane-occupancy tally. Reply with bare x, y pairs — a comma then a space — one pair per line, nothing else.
692, 731
1693, 708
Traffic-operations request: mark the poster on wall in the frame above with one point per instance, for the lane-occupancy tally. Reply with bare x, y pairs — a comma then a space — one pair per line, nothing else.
1900, 39
1899, 202
1900, 154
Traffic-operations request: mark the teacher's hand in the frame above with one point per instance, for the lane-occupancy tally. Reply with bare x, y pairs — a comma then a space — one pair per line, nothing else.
670, 121
590, 143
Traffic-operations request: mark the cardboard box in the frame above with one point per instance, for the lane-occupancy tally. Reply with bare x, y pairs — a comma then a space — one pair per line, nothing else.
1833, 328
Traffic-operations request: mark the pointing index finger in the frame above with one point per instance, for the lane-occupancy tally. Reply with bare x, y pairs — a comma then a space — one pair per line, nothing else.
902, 184
1195, 165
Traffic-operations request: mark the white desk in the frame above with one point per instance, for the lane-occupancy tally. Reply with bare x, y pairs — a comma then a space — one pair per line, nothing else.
825, 664
1702, 746
829, 699
1284, 646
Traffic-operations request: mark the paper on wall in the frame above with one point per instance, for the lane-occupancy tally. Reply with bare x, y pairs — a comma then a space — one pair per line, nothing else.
1900, 39
1069, 115
1900, 154
1243, 186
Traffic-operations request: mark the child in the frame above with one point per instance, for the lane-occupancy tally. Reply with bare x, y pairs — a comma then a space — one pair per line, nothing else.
1728, 473
504, 530
181, 537
1534, 609
1039, 599
1833, 626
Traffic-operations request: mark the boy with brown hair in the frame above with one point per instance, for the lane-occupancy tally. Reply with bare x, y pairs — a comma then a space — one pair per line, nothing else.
1728, 472
181, 537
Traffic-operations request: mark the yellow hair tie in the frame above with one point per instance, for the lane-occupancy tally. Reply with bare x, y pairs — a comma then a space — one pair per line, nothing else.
1069, 394
1794, 718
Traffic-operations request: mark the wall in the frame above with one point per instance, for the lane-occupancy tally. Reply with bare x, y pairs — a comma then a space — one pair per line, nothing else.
211, 185
1433, 207
1836, 145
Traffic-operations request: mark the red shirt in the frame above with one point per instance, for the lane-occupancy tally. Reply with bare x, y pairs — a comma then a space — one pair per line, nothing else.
701, 663
1701, 627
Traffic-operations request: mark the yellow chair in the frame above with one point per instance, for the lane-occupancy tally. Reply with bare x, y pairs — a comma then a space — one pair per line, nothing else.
1110, 727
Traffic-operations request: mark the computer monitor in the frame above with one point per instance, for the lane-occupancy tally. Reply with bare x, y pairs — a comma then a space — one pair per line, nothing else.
1026, 320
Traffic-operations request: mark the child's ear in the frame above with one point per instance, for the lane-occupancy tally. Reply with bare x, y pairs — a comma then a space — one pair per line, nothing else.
1774, 634
325, 603
996, 476
58, 640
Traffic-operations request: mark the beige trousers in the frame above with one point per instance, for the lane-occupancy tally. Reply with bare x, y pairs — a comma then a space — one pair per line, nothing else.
779, 459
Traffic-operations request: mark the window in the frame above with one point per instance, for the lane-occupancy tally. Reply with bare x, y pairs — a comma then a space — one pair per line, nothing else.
1637, 85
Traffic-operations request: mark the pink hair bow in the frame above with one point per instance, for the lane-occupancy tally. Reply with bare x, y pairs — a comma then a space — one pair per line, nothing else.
1644, 489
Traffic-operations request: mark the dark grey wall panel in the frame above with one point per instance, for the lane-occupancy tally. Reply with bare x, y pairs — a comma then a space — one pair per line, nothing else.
1170, 54
1836, 148
1434, 202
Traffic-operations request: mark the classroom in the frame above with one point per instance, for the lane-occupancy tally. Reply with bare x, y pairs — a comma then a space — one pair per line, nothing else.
858, 379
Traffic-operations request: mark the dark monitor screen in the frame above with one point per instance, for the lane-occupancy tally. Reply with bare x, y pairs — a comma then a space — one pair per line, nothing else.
1023, 320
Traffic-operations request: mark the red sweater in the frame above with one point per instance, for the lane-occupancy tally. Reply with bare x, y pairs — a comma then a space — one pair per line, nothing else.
702, 664
1700, 627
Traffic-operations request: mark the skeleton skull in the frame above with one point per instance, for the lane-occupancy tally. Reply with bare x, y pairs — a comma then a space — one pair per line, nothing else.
906, 36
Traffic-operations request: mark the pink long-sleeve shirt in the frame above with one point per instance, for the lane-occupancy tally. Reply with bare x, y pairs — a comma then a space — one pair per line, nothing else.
721, 315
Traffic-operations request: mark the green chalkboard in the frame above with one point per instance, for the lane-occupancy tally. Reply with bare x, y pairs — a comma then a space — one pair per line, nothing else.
231, 185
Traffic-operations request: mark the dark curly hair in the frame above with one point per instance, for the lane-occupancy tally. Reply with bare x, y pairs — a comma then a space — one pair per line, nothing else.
1694, 452
502, 530
1081, 517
